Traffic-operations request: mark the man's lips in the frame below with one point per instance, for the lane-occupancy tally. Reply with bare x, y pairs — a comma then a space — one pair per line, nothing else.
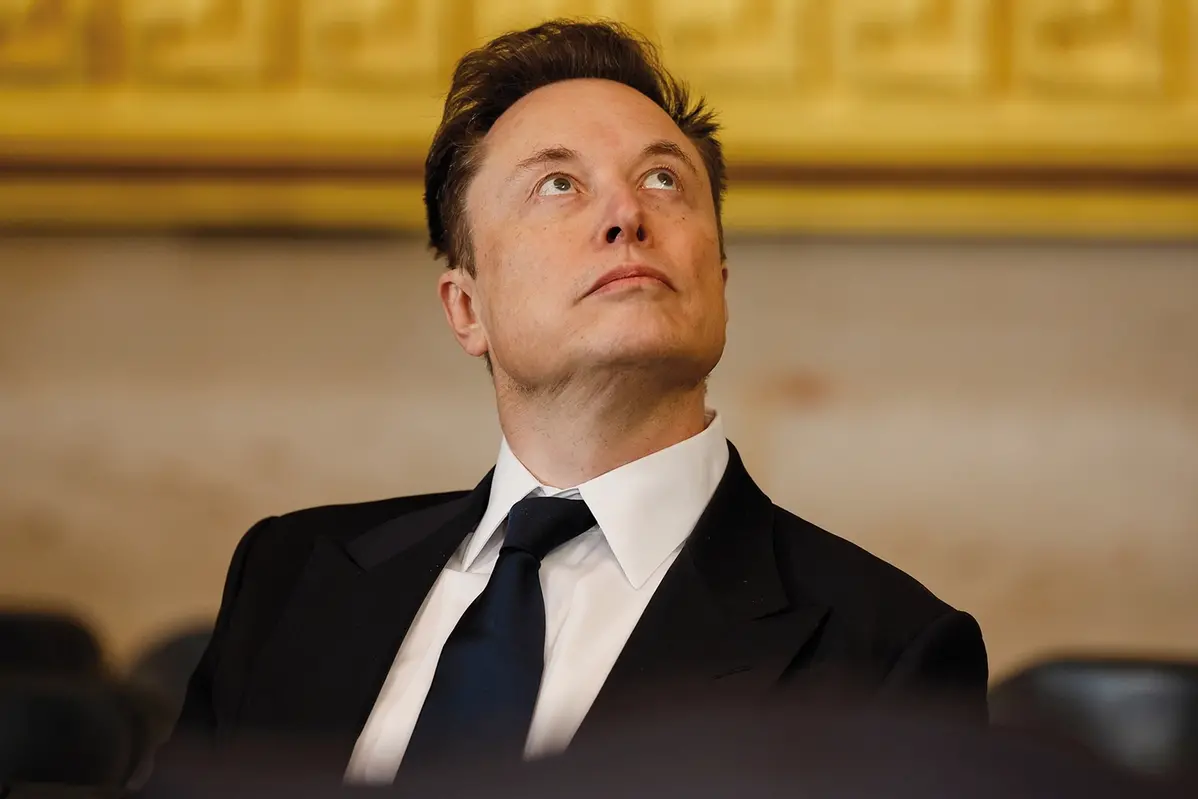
630, 272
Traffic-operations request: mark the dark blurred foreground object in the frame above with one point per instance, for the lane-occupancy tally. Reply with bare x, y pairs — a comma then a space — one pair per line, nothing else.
731, 753
1139, 714
43, 791
47, 643
68, 731
160, 675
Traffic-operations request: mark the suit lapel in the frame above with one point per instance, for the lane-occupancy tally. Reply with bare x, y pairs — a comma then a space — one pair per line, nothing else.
722, 619
323, 667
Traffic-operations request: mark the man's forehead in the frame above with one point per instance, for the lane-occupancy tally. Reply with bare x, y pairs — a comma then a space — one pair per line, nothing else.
581, 115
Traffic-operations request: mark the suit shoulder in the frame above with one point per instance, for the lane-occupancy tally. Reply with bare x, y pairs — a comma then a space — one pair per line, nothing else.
272, 553
849, 579
295, 531
347, 520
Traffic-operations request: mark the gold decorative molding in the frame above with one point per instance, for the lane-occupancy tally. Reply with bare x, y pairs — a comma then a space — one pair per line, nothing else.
492, 19
891, 110
374, 45
43, 42
230, 42
922, 45
1083, 48
754, 46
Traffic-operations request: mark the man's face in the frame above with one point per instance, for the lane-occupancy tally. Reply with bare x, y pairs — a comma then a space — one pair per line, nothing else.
580, 182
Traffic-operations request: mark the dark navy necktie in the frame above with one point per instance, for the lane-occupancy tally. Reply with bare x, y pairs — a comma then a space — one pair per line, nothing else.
485, 687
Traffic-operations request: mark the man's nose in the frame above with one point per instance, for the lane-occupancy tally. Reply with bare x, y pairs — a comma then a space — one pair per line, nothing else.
624, 221
615, 233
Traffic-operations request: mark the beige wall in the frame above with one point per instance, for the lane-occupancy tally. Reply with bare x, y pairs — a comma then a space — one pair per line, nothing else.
1017, 425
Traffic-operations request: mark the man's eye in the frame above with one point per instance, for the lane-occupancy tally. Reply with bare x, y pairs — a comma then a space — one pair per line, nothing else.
556, 185
660, 179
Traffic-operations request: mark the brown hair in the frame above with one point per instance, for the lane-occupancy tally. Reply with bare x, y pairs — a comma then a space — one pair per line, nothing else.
489, 80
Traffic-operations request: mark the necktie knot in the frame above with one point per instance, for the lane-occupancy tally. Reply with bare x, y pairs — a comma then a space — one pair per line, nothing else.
539, 525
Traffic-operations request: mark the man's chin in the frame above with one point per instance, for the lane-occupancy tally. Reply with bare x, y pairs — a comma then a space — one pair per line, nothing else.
649, 358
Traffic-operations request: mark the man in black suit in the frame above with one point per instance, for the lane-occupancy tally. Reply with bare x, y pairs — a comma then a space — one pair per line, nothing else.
618, 551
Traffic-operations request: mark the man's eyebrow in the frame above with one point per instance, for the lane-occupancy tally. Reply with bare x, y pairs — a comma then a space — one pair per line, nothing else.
549, 155
668, 148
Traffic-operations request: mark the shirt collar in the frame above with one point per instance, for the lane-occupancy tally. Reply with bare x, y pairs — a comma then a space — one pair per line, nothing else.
645, 509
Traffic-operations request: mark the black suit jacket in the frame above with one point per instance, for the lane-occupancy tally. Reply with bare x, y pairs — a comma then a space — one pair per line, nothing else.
758, 601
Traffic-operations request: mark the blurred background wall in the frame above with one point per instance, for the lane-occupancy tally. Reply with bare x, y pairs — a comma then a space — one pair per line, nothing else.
964, 292
1015, 424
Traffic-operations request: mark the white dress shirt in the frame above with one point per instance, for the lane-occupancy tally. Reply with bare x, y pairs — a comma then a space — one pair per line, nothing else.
595, 586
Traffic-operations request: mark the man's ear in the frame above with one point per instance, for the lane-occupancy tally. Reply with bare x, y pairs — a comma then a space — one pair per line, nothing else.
457, 290
724, 276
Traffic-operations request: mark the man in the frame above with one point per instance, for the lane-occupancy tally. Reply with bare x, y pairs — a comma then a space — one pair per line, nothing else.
618, 554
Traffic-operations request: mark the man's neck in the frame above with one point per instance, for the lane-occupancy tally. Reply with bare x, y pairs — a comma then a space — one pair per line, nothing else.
570, 438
